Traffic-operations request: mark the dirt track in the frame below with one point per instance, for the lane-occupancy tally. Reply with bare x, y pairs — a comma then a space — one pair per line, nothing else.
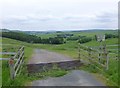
44, 56
74, 78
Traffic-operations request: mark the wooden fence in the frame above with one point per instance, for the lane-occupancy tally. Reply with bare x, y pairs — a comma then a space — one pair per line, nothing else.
15, 62
90, 55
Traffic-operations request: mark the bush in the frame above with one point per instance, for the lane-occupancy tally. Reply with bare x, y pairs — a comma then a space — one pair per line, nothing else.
64, 35
22, 37
110, 36
73, 38
56, 40
84, 40
32, 38
45, 41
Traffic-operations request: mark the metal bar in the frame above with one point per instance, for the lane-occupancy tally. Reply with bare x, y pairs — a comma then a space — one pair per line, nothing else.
18, 66
7, 53
18, 59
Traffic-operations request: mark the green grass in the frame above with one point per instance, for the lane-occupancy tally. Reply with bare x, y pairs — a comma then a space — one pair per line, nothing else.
47, 35
13, 46
82, 33
20, 80
94, 43
54, 72
0, 73
69, 49
23, 78
0, 64
109, 77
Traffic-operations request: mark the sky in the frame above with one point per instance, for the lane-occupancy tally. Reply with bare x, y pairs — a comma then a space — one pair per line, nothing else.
46, 15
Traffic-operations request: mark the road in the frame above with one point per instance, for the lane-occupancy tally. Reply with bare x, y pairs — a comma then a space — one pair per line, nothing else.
73, 78
44, 56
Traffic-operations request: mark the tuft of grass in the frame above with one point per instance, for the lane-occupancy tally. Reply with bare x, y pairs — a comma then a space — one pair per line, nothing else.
57, 73
54, 72
49, 73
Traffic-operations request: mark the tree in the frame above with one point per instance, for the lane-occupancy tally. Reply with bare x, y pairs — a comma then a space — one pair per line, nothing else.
84, 39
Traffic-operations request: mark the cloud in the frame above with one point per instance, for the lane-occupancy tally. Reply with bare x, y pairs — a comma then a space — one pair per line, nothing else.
106, 20
68, 21
59, 14
107, 17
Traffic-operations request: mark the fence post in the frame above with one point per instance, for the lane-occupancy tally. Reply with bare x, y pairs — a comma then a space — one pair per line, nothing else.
79, 51
23, 53
89, 54
99, 57
106, 57
107, 61
100, 52
11, 65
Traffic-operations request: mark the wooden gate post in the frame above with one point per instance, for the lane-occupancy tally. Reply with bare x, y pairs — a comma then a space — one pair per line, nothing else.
106, 56
89, 54
79, 51
99, 57
23, 53
11, 65
100, 53
107, 61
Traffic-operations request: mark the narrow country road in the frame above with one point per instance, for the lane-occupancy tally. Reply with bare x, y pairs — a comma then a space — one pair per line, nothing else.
44, 56
73, 78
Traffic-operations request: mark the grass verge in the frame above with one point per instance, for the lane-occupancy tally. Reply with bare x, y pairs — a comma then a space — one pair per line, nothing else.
20, 79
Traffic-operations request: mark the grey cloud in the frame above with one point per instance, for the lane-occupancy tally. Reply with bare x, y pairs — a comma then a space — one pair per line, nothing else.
106, 20
37, 21
106, 17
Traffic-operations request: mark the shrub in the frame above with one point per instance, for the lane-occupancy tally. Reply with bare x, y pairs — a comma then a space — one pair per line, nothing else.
22, 37
73, 38
84, 40
110, 36
56, 40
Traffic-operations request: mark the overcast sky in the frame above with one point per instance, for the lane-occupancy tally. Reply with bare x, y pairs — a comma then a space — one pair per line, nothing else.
59, 14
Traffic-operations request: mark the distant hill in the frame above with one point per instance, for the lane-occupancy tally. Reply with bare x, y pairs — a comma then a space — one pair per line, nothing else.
4, 30
28, 32
93, 30
51, 32
39, 32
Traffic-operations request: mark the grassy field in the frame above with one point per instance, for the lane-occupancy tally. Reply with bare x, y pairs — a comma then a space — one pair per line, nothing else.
10, 45
0, 64
70, 48
23, 78
78, 33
